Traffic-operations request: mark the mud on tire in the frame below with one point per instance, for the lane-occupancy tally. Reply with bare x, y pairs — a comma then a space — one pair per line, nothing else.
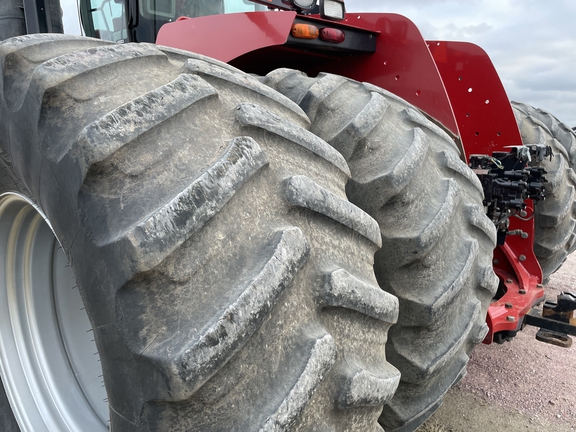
555, 217
438, 243
227, 278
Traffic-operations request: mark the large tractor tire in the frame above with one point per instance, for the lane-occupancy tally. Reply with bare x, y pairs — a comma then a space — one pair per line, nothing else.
438, 243
205, 233
555, 217
561, 132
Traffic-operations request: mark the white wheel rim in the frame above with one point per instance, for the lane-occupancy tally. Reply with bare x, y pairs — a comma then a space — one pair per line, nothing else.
49, 363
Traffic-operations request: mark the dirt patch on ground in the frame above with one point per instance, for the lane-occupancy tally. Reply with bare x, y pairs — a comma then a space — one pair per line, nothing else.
523, 385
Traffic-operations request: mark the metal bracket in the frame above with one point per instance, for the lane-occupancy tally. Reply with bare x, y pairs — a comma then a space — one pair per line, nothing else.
38, 19
554, 338
556, 321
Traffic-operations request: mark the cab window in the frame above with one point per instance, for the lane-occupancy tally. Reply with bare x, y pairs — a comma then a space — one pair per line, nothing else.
106, 19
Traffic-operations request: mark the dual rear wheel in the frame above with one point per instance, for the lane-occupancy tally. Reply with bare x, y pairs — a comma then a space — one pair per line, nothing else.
200, 225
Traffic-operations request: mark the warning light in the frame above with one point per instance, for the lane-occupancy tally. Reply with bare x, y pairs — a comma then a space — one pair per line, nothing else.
332, 35
305, 31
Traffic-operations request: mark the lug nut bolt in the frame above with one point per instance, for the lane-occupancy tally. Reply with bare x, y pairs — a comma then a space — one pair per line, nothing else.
510, 318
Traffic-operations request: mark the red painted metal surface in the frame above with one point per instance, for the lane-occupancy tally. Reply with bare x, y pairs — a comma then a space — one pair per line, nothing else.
226, 37
482, 108
522, 293
402, 65
525, 247
519, 270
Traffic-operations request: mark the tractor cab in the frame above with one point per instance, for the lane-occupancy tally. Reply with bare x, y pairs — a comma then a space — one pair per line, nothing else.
140, 20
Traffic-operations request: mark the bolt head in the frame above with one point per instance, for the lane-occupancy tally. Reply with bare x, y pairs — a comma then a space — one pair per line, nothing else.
510, 318
522, 291
522, 257
508, 305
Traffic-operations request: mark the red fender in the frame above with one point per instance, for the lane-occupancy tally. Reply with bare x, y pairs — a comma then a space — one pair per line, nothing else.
482, 108
226, 37
402, 63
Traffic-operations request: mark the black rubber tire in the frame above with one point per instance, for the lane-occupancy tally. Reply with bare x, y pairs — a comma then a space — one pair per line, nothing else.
438, 243
563, 133
228, 280
555, 217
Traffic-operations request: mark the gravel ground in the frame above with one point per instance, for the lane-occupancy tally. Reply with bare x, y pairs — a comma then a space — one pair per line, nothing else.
523, 385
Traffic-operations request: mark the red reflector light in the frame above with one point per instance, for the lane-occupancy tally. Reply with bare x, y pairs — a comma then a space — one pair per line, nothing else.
332, 35
305, 31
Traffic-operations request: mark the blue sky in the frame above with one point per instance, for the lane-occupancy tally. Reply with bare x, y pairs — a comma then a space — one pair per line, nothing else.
531, 42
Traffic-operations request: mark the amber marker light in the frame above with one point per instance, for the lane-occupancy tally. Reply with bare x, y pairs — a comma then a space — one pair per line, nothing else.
332, 35
305, 31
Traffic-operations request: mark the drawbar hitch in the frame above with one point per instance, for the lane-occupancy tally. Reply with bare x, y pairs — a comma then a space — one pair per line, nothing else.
556, 321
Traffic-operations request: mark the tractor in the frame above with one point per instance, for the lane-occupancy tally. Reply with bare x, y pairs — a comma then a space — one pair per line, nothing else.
265, 215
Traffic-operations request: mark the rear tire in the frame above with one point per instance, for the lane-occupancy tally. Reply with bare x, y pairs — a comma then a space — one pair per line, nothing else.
210, 236
438, 243
555, 217
561, 132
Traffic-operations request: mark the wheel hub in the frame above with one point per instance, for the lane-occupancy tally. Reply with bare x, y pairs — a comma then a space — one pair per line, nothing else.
49, 363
